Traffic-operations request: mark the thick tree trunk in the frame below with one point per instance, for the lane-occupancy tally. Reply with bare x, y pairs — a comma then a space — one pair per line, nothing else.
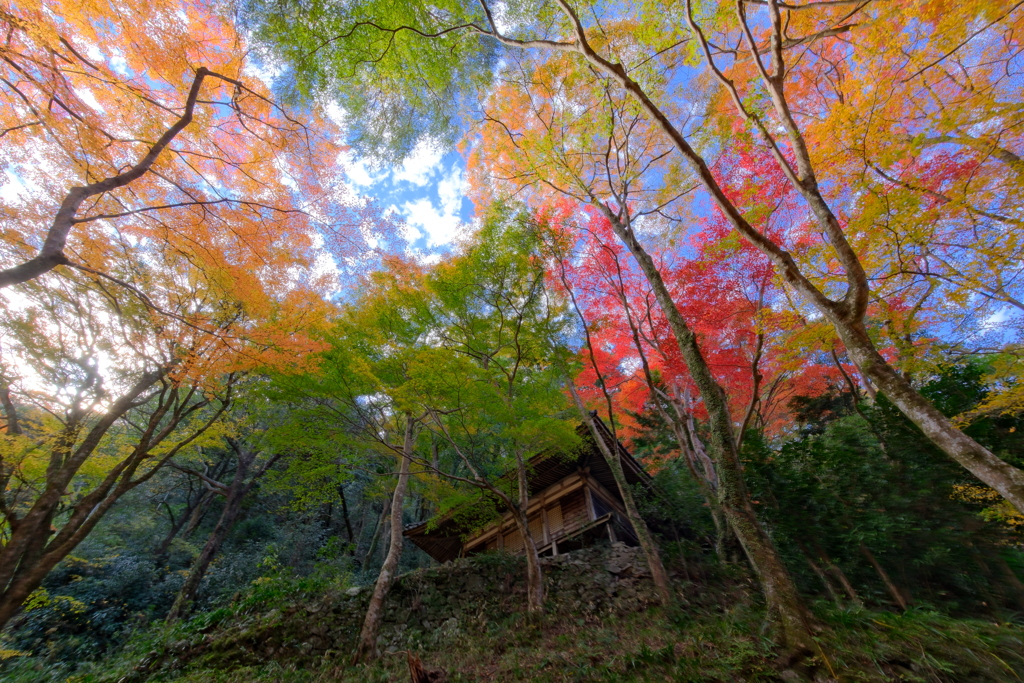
780, 592
366, 650
979, 461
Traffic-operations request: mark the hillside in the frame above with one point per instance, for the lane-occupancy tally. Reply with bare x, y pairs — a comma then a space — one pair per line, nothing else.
465, 621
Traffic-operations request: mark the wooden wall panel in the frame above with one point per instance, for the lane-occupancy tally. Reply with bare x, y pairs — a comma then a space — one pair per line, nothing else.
555, 526
574, 511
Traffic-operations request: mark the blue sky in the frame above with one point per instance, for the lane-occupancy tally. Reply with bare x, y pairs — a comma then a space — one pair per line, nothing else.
427, 190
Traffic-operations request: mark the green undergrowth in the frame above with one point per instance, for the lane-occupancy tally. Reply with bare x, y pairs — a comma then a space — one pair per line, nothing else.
716, 632
657, 645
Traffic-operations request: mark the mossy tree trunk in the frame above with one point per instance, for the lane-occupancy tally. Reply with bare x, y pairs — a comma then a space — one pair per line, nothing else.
779, 589
366, 649
647, 543
534, 577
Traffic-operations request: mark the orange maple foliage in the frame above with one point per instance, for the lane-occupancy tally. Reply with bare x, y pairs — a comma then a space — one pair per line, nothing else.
161, 229
192, 184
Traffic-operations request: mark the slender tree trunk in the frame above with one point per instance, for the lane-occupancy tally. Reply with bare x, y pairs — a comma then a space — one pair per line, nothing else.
707, 479
650, 548
344, 513
821, 575
534, 577
161, 550
228, 516
377, 531
780, 592
658, 574
199, 513
366, 650
840, 576
894, 591
10, 412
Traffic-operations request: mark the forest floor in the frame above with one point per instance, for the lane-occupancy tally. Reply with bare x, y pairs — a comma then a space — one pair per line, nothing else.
460, 621
657, 646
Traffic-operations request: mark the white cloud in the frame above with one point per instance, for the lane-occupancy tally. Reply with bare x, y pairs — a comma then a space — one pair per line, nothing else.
451, 191
14, 189
86, 95
440, 227
360, 173
421, 165
119, 64
996, 319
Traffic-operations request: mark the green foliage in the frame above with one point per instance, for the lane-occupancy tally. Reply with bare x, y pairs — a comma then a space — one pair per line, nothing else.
395, 85
850, 483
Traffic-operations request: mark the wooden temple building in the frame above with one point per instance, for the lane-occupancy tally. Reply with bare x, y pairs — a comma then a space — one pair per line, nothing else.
574, 501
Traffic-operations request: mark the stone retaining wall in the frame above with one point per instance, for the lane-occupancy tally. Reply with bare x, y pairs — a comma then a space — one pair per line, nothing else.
426, 609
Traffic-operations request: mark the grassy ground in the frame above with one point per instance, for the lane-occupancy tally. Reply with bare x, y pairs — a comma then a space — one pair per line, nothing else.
656, 645
715, 633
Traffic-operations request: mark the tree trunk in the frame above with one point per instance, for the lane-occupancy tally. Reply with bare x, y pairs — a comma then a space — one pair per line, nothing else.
199, 513
228, 516
780, 592
377, 531
658, 574
894, 591
840, 576
161, 550
366, 650
34, 547
534, 577
979, 461
821, 575
345, 515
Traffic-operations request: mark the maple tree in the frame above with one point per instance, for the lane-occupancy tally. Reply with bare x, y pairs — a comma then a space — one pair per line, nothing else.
159, 244
751, 71
357, 385
492, 388
719, 476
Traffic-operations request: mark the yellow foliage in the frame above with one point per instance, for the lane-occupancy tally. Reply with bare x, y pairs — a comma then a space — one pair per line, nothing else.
1006, 380
997, 509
